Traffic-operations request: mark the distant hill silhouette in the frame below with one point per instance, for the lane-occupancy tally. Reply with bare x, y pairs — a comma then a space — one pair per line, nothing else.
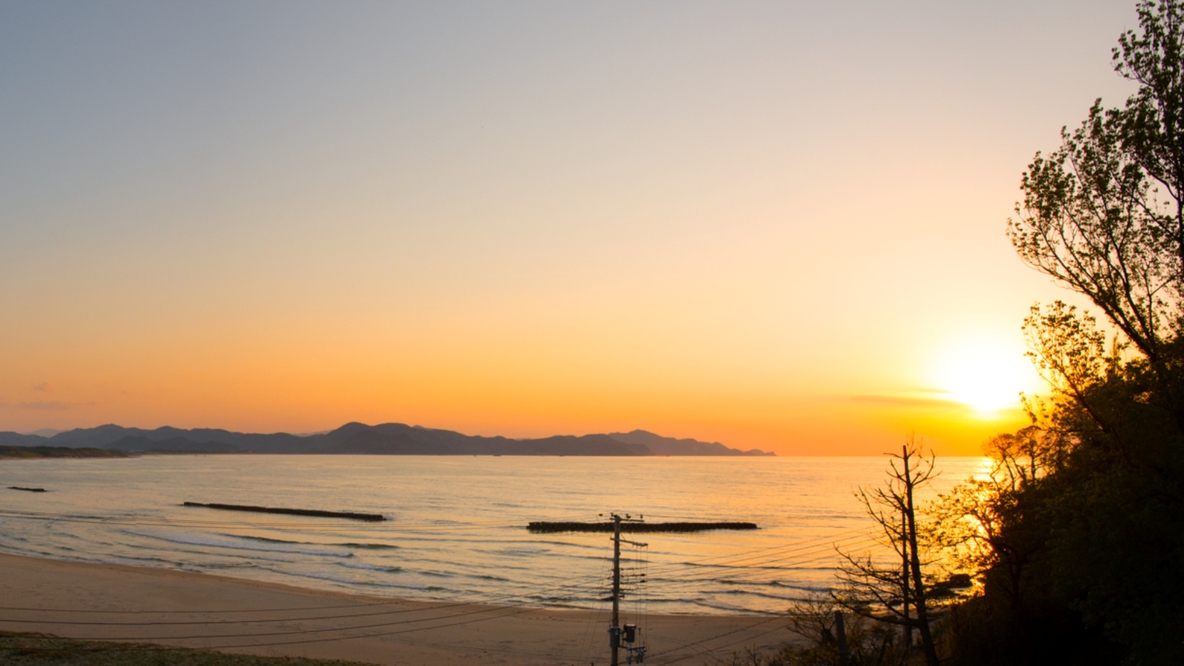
383, 439
668, 446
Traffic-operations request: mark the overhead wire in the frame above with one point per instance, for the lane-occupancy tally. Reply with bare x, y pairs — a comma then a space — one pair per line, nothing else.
226, 611
710, 652
149, 521
586, 643
799, 545
715, 638
742, 565
499, 600
755, 556
513, 608
736, 559
782, 561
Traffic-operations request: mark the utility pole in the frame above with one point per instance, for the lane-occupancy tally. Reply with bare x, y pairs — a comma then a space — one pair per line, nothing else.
614, 631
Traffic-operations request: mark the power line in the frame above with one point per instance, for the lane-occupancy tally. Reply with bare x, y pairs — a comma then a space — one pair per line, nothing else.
579, 583
189, 612
147, 521
717, 637
517, 609
711, 652
711, 570
738, 556
741, 567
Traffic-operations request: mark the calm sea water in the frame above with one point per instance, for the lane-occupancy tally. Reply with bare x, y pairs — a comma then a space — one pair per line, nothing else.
457, 524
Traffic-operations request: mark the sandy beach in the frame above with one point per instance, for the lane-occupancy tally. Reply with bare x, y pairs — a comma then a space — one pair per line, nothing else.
112, 602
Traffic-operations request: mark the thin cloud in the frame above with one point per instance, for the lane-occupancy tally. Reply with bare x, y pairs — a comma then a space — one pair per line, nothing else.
44, 387
52, 405
905, 401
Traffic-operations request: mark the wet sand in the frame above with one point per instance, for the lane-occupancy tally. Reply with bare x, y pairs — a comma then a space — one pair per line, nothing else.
177, 608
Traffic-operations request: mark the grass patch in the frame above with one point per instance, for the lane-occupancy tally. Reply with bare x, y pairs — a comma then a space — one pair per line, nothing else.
29, 649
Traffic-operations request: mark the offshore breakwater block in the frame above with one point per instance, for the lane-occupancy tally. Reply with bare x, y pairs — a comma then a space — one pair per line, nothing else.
351, 515
545, 527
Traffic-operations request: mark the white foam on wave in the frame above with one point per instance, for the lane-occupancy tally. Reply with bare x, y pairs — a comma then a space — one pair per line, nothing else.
234, 543
316, 575
370, 567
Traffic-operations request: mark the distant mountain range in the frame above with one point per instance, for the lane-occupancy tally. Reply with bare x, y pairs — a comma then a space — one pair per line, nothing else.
384, 439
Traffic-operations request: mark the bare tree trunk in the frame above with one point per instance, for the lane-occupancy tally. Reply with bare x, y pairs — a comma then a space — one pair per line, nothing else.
904, 578
915, 564
870, 588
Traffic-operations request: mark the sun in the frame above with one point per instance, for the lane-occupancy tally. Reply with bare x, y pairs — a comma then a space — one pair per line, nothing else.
985, 375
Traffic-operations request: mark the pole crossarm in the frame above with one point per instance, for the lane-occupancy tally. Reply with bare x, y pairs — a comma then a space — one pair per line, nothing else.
614, 630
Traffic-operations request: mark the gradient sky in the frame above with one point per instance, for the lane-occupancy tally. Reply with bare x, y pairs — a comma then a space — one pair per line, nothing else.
775, 225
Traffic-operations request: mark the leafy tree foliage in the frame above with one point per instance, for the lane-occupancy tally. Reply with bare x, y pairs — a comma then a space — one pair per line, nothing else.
1078, 534
1103, 214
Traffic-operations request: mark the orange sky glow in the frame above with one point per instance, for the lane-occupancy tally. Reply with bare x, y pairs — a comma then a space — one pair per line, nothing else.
777, 227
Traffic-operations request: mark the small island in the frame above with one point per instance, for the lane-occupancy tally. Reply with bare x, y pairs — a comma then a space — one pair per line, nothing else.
26, 452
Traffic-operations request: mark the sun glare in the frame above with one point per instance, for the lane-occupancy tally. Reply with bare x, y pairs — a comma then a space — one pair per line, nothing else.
987, 377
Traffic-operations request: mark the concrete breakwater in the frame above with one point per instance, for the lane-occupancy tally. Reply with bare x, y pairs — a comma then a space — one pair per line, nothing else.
549, 527
351, 515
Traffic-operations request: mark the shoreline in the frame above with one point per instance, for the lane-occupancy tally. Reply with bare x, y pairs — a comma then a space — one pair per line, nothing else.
185, 609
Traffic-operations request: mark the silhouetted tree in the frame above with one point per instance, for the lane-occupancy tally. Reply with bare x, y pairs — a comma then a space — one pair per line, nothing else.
1103, 214
1078, 534
869, 642
894, 592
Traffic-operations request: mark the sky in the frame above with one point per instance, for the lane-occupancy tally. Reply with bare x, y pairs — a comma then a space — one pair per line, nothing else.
774, 225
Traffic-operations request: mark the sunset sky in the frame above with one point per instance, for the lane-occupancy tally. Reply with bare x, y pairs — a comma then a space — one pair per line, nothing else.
775, 225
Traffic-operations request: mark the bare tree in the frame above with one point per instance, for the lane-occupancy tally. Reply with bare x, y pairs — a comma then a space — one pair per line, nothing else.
867, 642
893, 592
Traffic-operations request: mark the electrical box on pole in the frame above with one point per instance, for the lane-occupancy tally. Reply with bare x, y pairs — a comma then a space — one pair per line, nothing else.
616, 633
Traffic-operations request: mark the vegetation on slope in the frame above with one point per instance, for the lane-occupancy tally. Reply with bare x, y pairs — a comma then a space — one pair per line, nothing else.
1076, 540
26, 649
57, 452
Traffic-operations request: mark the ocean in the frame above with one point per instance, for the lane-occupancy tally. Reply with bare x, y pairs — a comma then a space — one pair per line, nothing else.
456, 528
